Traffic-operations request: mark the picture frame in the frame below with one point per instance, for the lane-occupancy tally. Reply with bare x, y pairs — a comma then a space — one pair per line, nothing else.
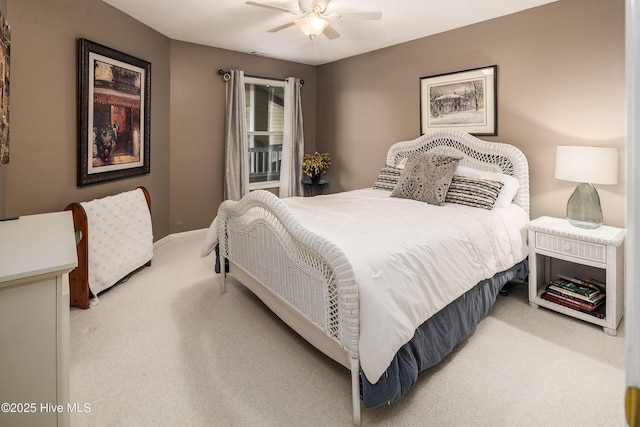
114, 140
465, 100
5, 53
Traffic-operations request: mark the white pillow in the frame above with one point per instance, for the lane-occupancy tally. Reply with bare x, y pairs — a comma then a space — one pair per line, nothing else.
509, 189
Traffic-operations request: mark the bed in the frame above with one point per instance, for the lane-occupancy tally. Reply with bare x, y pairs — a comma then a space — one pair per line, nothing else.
385, 284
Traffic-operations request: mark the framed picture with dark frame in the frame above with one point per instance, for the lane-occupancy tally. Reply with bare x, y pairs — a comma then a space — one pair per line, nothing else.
115, 114
5, 50
465, 100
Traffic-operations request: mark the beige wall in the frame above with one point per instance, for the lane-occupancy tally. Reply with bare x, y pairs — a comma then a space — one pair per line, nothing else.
197, 124
560, 82
41, 175
187, 112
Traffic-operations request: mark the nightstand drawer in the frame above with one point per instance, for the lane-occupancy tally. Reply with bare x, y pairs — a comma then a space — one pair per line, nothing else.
579, 249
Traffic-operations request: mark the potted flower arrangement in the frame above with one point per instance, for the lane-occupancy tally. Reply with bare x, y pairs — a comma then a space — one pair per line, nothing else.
315, 164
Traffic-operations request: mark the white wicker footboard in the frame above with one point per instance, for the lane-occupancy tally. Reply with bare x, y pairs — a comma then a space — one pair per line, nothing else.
305, 279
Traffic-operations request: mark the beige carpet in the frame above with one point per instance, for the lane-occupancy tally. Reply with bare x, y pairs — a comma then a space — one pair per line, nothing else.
167, 349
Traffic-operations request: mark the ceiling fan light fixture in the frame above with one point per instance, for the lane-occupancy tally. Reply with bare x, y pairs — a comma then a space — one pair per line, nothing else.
312, 25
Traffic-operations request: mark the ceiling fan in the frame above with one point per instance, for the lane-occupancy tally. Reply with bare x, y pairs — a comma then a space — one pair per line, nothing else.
313, 17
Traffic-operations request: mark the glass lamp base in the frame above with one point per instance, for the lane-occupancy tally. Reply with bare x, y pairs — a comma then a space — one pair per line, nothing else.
583, 208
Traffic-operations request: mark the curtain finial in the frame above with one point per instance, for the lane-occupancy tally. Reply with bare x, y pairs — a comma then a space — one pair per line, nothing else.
226, 75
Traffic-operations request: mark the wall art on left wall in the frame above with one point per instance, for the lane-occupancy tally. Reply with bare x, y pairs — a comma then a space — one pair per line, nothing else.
115, 114
5, 49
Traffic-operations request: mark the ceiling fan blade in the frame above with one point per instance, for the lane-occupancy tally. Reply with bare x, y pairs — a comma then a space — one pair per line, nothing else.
272, 7
281, 27
331, 33
364, 16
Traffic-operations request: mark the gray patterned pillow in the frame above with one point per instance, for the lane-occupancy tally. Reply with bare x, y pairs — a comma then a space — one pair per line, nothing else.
475, 192
426, 178
387, 179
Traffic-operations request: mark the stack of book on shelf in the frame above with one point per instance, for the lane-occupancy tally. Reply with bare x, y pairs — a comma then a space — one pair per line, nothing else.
585, 295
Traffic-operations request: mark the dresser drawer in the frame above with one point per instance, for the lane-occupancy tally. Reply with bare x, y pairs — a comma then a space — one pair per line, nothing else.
579, 249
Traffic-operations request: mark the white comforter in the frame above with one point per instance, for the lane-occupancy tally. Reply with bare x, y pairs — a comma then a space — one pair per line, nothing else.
410, 259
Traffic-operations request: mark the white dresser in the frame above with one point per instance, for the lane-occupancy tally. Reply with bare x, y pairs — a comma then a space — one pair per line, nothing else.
36, 254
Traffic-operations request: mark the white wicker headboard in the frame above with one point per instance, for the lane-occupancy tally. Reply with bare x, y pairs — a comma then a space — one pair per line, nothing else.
475, 153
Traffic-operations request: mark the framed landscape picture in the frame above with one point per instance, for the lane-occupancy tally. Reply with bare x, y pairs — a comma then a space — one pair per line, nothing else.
114, 118
464, 100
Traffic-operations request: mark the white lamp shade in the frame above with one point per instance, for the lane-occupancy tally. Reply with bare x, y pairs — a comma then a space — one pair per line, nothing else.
312, 25
594, 165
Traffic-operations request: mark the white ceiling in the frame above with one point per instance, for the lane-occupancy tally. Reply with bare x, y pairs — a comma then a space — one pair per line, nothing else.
234, 25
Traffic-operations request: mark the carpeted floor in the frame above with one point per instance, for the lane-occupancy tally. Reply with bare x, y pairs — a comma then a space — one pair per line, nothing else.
167, 348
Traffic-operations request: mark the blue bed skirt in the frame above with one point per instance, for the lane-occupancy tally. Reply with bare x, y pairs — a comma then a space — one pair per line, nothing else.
436, 338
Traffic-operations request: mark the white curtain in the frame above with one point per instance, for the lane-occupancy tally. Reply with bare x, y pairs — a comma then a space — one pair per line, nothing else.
293, 141
236, 178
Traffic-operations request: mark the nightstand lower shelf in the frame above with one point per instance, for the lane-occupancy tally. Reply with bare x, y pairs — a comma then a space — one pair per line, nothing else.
538, 301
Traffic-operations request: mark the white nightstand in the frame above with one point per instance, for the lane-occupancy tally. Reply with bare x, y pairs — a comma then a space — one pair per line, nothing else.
556, 246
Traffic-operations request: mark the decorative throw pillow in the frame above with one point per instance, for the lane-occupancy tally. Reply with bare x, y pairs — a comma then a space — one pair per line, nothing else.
426, 178
475, 192
510, 184
387, 179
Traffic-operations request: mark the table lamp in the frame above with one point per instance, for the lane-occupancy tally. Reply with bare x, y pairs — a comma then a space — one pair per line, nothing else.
587, 166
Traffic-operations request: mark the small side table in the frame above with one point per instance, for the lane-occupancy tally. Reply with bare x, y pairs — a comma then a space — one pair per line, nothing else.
556, 246
313, 188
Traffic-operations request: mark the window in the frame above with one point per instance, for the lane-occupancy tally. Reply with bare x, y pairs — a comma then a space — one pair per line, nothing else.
265, 128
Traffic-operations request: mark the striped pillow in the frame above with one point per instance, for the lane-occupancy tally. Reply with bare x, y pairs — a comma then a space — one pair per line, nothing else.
387, 179
475, 192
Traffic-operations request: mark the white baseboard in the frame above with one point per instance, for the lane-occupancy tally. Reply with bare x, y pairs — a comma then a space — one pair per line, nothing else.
175, 236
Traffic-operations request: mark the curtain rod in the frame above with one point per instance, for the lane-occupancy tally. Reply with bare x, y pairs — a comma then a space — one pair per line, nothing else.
226, 76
